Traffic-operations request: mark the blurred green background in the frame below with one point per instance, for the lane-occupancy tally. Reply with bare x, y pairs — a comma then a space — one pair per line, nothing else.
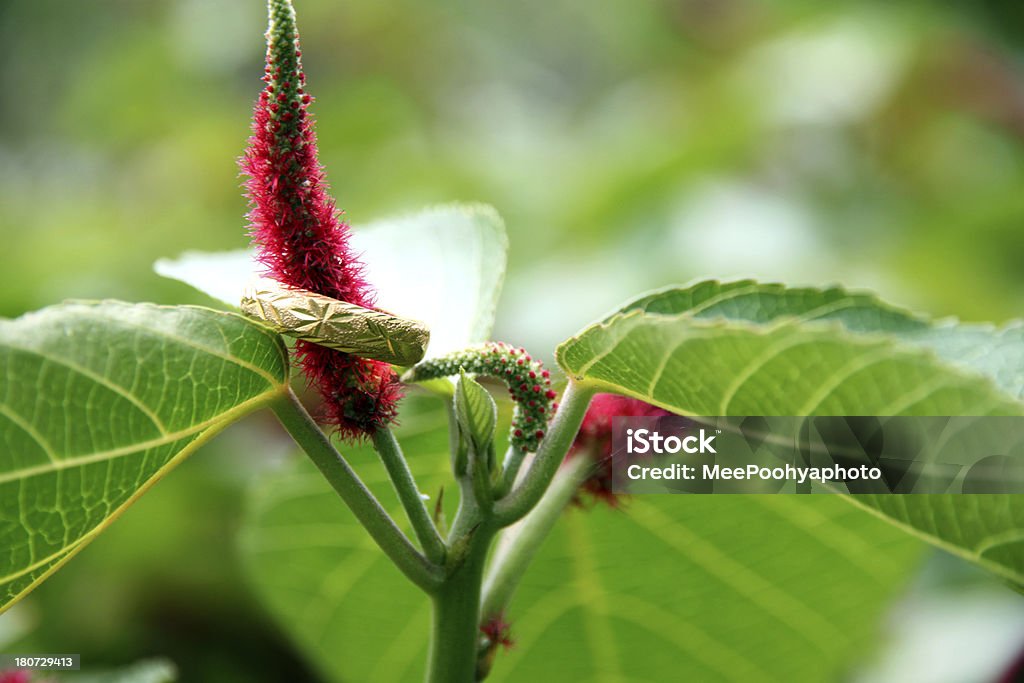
628, 144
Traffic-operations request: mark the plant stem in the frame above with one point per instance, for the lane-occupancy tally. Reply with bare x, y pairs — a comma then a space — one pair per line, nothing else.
405, 485
456, 628
455, 640
511, 464
357, 497
520, 542
549, 456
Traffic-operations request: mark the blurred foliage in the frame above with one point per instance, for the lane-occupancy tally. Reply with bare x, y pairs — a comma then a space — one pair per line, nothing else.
627, 145
876, 144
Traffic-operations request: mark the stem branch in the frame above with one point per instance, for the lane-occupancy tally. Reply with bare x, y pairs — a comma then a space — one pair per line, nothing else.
357, 497
549, 456
510, 469
520, 542
398, 469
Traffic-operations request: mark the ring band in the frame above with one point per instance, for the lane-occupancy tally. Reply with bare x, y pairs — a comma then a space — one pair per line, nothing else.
336, 324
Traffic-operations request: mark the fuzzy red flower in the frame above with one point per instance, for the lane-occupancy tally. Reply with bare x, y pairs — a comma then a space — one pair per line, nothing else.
15, 676
595, 439
300, 236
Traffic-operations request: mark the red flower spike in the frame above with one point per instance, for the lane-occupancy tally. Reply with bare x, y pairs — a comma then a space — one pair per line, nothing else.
595, 440
495, 360
300, 238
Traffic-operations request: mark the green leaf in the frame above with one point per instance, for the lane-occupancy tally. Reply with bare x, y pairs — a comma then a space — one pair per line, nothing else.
721, 588
748, 349
995, 352
444, 266
101, 399
476, 412
720, 367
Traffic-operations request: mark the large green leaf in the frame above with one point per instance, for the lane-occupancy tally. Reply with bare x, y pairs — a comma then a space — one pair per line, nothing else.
721, 588
101, 399
995, 352
444, 265
748, 349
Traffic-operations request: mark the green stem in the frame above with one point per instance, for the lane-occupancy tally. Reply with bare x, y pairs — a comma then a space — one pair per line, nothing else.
510, 469
357, 497
549, 456
456, 627
398, 469
519, 543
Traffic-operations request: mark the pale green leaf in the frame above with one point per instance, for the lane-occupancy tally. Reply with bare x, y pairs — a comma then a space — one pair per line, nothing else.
101, 399
721, 588
221, 275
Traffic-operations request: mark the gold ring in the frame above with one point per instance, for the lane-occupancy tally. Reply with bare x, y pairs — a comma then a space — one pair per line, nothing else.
336, 324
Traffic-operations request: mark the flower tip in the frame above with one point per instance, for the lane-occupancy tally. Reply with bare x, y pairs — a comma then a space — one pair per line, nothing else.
498, 632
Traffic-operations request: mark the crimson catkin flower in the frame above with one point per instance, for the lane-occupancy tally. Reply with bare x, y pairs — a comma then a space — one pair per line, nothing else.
300, 237
595, 439
529, 384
